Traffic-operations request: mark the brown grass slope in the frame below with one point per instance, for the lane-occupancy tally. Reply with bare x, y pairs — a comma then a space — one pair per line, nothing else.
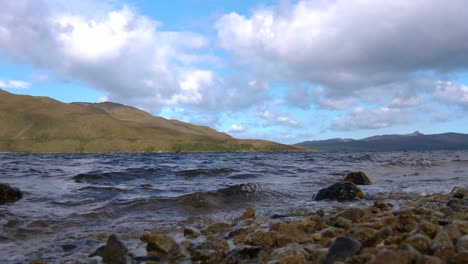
41, 124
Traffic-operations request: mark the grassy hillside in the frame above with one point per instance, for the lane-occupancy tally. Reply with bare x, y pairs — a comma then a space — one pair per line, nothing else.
41, 124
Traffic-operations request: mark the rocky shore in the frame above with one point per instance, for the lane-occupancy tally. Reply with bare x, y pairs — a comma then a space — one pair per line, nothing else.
431, 229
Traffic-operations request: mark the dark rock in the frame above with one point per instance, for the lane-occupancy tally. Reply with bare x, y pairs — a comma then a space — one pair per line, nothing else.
459, 192
68, 247
359, 178
340, 191
458, 204
9, 194
238, 232
242, 254
207, 256
342, 248
114, 252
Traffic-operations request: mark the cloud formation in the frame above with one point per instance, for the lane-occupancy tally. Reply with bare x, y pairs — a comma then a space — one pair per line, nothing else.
349, 44
14, 84
126, 55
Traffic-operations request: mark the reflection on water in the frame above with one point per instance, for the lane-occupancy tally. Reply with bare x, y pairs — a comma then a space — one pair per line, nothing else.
72, 199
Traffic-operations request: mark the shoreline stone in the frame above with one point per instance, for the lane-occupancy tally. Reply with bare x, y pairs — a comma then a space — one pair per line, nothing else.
340, 191
358, 178
420, 230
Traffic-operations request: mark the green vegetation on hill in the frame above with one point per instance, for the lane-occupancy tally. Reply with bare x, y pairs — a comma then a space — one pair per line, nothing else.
41, 124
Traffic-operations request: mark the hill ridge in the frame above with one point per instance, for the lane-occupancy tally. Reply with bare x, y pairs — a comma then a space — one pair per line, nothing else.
42, 124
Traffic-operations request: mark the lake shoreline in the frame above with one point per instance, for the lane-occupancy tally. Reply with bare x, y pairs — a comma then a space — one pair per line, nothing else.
431, 229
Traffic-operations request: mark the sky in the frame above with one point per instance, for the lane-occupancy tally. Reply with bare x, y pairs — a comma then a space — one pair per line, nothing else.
286, 71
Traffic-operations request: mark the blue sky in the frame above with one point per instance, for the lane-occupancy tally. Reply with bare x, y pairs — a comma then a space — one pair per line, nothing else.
286, 71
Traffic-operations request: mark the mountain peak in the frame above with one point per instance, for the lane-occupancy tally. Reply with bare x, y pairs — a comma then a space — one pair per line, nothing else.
416, 133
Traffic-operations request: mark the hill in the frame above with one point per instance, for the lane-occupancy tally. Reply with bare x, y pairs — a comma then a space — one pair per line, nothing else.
42, 124
414, 141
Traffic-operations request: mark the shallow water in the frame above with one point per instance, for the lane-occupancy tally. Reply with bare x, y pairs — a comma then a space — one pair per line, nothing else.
73, 201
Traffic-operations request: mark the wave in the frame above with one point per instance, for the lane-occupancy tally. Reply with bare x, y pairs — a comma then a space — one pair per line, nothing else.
419, 163
206, 172
116, 177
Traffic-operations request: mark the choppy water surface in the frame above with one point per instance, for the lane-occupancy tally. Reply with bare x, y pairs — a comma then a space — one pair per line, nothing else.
72, 201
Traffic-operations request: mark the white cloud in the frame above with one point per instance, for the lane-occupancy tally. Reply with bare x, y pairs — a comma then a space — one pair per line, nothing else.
275, 118
348, 44
127, 56
363, 118
236, 128
452, 93
14, 84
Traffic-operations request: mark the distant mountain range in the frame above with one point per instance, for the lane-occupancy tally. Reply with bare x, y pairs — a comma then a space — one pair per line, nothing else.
42, 124
413, 141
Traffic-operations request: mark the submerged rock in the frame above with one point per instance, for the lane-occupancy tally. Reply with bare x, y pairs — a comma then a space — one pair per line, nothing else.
114, 252
359, 178
340, 191
342, 248
9, 194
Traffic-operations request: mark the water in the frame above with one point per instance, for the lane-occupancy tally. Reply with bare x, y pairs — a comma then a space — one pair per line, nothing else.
73, 201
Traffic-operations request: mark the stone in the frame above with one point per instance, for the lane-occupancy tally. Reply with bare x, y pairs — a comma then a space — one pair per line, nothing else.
342, 248
207, 256
460, 258
458, 204
392, 256
462, 226
293, 259
366, 236
316, 254
407, 221
161, 245
452, 231
114, 252
191, 232
459, 192
265, 239
9, 194
293, 249
442, 246
238, 232
426, 259
428, 229
356, 215
342, 222
340, 191
215, 243
358, 178
420, 242
218, 228
248, 214
383, 206
462, 243
288, 230
243, 253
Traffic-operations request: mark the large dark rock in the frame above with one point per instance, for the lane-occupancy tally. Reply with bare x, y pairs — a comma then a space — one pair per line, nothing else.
9, 194
342, 248
359, 178
114, 252
340, 191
